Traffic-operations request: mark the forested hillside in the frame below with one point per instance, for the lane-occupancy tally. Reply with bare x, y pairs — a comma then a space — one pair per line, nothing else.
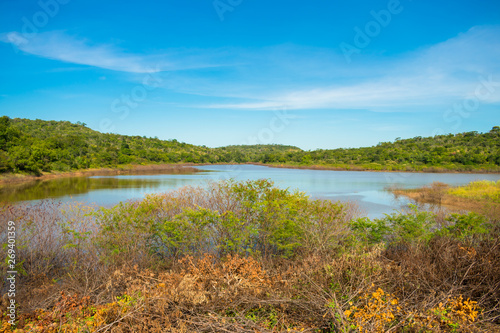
35, 146
258, 153
463, 151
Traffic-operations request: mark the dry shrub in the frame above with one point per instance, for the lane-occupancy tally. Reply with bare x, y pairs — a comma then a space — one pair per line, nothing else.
55, 251
428, 275
113, 281
212, 294
434, 193
442, 199
315, 294
56, 319
48, 241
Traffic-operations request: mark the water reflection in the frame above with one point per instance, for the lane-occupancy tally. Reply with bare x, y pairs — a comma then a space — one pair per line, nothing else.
54, 188
367, 189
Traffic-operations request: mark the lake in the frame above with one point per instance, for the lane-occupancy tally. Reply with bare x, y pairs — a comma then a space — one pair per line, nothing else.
367, 189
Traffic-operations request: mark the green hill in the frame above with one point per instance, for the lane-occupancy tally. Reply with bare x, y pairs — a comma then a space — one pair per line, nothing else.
258, 153
467, 151
35, 146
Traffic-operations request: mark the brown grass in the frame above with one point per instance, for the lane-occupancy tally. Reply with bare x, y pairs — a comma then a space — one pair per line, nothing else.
74, 285
237, 294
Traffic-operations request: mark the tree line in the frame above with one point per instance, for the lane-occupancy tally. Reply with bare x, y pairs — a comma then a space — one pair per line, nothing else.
36, 146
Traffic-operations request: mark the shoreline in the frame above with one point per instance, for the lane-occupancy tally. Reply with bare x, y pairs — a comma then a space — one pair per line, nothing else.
360, 168
125, 170
191, 168
437, 194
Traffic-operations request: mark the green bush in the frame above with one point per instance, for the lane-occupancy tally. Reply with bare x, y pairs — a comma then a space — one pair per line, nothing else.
370, 231
396, 227
229, 217
414, 226
464, 226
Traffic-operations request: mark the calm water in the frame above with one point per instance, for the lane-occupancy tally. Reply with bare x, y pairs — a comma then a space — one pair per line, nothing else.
365, 188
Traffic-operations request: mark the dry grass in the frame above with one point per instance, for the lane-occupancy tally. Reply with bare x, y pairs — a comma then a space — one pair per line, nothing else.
76, 282
376, 292
480, 197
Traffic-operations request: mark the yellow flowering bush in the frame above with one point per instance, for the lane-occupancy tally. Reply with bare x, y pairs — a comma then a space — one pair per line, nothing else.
451, 315
378, 311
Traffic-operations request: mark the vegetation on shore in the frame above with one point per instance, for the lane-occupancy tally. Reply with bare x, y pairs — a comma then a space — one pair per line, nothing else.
250, 257
481, 191
37, 146
482, 197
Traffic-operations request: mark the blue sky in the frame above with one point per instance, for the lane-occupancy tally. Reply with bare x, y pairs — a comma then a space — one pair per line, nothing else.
317, 74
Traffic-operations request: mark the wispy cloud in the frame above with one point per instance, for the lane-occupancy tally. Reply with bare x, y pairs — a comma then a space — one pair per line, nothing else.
57, 45
435, 76
294, 76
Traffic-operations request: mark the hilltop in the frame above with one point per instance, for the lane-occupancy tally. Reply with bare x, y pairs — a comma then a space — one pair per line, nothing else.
37, 146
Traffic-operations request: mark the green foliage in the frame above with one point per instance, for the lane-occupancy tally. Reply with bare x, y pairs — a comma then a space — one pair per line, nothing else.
463, 151
467, 225
188, 232
417, 226
396, 227
246, 218
273, 212
370, 231
35, 146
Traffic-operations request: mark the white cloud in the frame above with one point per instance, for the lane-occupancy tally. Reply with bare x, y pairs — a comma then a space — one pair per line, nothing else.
437, 76
295, 76
59, 46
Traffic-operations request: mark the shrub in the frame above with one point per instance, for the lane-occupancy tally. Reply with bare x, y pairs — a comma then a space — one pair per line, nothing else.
252, 217
370, 231
467, 225
379, 311
249, 257
407, 227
